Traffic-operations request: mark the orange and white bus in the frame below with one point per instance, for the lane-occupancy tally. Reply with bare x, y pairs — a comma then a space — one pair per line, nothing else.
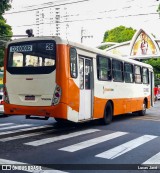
52, 77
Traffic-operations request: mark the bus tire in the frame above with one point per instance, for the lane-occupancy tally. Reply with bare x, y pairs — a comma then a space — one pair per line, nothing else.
143, 111
62, 121
59, 120
108, 114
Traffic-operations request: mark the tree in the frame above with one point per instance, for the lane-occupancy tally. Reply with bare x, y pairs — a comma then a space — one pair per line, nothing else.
119, 34
4, 5
5, 29
158, 10
155, 63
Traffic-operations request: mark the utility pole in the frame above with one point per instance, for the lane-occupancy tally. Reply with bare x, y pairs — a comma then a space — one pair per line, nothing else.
84, 36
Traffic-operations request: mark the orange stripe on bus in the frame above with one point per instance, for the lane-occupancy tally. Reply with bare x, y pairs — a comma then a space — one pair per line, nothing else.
120, 106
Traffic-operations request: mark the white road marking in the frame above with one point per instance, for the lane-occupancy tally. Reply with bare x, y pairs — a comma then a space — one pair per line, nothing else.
6, 124
12, 163
153, 160
23, 130
16, 126
23, 136
91, 142
62, 137
124, 148
147, 118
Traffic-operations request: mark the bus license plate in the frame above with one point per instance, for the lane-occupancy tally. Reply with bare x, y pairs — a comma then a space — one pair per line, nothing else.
30, 97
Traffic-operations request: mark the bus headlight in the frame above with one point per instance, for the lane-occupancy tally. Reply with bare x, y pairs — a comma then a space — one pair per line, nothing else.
56, 95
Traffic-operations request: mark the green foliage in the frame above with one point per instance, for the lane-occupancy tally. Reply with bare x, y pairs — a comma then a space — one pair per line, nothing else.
4, 5
1, 57
119, 34
104, 47
155, 63
5, 29
158, 9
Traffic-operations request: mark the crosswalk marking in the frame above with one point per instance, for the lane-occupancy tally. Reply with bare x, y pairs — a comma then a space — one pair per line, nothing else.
16, 126
148, 118
62, 137
23, 130
6, 124
23, 136
91, 142
121, 149
10, 162
153, 160
109, 154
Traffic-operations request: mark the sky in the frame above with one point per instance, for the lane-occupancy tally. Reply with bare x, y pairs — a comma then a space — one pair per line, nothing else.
94, 17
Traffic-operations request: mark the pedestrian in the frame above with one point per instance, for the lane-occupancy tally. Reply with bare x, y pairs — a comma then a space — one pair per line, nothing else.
155, 93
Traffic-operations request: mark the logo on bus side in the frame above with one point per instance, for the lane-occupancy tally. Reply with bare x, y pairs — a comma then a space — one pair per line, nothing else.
107, 89
45, 99
146, 89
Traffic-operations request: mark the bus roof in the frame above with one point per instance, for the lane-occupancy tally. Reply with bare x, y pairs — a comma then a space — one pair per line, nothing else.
60, 40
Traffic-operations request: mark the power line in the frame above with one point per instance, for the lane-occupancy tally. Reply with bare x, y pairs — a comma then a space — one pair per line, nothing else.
22, 11
112, 10
124, 8
48, 3
9, 36
52, 4
108, 11
91, 19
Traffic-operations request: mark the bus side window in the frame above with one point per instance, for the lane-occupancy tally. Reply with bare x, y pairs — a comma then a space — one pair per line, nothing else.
103, 68
117, 68
128, 73
145, 75
137, 73
73, 62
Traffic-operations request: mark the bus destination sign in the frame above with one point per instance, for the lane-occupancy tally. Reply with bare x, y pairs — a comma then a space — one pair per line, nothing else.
24, 48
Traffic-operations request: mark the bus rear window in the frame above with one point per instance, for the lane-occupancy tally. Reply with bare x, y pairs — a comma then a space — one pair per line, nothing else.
31, 57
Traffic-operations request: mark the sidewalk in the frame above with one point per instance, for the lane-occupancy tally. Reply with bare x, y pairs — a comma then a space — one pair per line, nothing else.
155, 110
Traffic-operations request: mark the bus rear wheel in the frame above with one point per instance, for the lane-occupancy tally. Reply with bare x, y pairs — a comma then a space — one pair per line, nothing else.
62, 121
143, 111
108, 114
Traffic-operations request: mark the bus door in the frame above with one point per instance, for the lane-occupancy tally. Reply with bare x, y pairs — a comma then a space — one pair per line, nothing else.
86, 87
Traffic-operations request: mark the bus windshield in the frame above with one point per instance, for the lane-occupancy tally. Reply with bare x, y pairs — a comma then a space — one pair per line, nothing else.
31, 57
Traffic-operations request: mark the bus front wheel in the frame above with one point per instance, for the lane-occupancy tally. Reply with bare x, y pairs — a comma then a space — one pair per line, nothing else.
108, 113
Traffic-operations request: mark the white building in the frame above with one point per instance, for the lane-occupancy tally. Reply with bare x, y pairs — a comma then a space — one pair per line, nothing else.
50, 21
44, 20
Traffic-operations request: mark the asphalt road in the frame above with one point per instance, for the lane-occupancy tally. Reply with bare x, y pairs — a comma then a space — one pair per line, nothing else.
129, 144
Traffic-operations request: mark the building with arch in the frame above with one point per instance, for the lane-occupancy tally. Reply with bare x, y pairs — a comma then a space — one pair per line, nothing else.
142, 46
